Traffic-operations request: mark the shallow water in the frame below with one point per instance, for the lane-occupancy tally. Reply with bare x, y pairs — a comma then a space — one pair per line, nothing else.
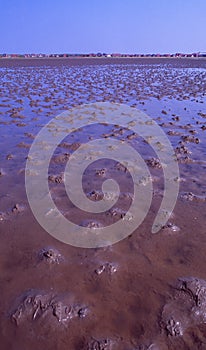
57, 296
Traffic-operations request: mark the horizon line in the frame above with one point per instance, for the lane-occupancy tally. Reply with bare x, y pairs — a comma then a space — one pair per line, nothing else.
101, 54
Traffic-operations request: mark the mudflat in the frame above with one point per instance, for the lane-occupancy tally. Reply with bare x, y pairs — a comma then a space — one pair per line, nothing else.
147, 291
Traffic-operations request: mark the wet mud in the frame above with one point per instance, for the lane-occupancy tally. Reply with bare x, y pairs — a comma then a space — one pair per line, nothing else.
147, 292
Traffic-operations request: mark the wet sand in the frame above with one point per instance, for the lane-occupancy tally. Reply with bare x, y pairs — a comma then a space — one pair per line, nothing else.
145, 292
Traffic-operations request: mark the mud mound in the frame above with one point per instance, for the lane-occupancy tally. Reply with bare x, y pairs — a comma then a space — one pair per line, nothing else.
187, 308
47, 306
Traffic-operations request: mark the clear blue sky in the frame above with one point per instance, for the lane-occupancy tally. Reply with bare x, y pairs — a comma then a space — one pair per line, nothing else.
76, 26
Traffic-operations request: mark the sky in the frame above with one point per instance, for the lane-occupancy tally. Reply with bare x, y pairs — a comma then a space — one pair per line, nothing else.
110, 26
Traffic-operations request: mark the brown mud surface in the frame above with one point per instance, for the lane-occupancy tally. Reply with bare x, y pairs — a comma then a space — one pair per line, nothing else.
147, 291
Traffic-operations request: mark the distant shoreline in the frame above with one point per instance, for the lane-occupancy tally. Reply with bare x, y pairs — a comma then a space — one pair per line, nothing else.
102, 57
185, 62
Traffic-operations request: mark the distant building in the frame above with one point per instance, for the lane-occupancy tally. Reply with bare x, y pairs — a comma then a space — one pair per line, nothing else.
116, 55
